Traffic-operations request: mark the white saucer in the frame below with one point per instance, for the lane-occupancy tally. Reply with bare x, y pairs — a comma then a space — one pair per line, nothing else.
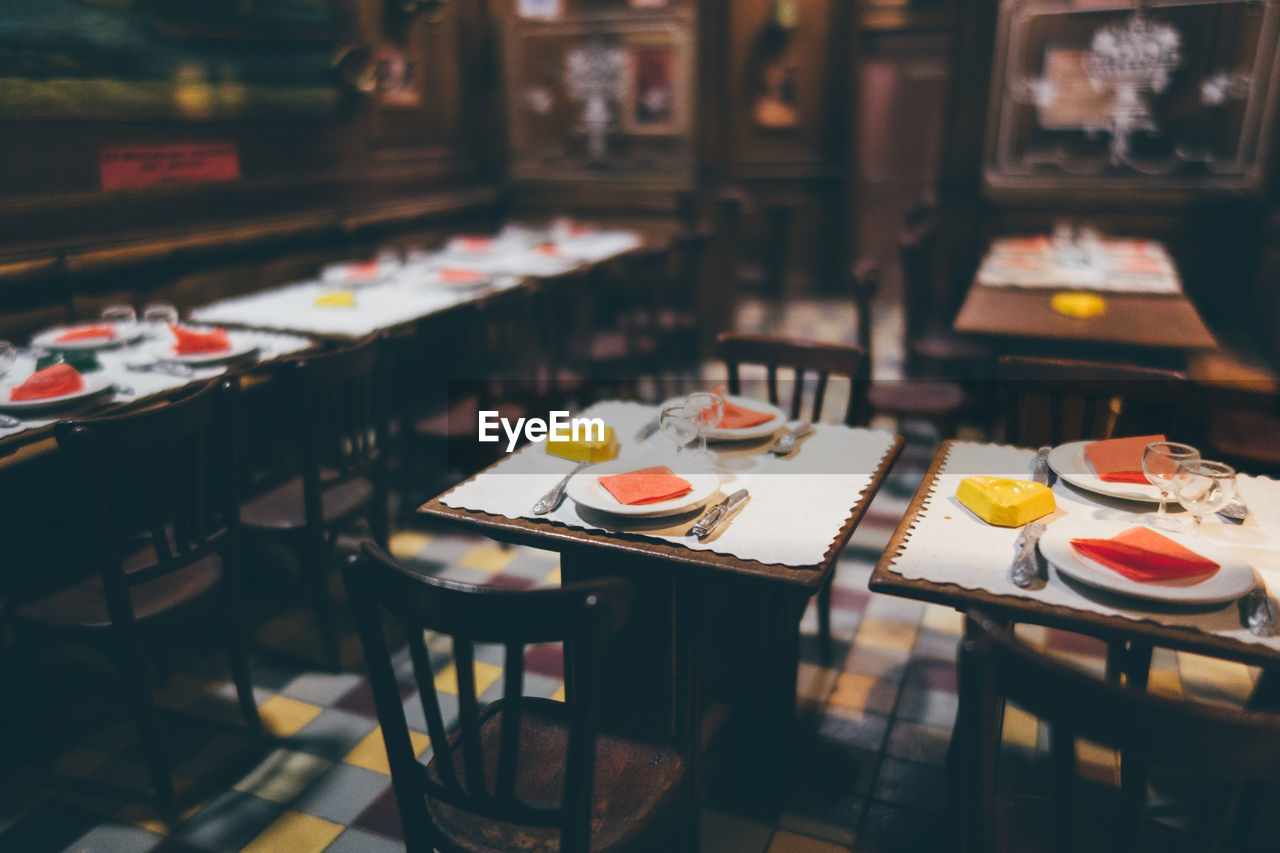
94, 384
48, 339
1069, 462
585, 490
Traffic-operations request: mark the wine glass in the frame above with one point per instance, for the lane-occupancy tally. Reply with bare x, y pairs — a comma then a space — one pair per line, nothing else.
1205, 487
120, 317
679, 424
158, 317
1161, 464
710, 409
7, 357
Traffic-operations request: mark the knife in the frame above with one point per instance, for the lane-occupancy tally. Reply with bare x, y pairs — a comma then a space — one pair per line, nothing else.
705, 526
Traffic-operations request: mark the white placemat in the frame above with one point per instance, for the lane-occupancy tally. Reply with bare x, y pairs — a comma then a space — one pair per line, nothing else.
948, 544
797, 506
271, 345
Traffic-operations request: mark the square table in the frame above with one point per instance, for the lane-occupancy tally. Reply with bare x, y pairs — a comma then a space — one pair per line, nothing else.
691, 595
944, 554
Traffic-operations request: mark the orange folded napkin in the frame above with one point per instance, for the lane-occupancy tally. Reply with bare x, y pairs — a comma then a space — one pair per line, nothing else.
739, 417
475, 244
1119, 460
550, 250
1141, 554
363, 271
460, 276
86, 333
190, 342
53, 381
646, 485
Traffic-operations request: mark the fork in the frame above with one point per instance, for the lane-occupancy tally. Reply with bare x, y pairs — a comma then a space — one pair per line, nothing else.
552, 499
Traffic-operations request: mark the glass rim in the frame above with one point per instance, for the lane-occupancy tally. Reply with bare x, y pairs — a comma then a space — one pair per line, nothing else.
1217, 470
1174, 448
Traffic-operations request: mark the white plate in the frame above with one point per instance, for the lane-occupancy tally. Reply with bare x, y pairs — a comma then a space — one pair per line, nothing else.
1069, 462
241, 346
769, 427
1232, 580
585, 490
48, 339
94, 384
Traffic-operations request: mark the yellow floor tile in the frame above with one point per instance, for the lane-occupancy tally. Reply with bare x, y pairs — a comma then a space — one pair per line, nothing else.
948, 620
371, 753
814, 683
1097, 763
485, 674
1214, 678
1020, 728
553, 578
857, 692
407, 543
488, 557
1164, 682
789, 842
282, 716
886, 634
558, 696
295, 832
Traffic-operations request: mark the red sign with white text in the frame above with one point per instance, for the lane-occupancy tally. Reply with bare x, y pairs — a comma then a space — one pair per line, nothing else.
132, 167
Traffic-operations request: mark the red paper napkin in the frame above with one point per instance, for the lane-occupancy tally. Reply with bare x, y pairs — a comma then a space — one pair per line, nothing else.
1119, 460
363, 271
53, 381
475, 244
459, 276
739, 417
190, 342
86, 333
1141, 554
550, 250
646, 485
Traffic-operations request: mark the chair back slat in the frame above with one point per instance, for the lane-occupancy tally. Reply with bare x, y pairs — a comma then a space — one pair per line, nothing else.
801, 357
480, 778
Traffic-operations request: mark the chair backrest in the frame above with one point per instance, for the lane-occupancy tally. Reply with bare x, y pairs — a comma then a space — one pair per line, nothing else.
1215, 744
467, 776
777, 248
802, 358
864, 282
177, 466
1050, 400
924, 309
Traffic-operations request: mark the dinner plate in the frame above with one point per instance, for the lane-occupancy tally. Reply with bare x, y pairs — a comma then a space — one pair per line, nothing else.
585, 490
769, 427
1232, 580
48, 338
94, 384
1069, 462
241, 346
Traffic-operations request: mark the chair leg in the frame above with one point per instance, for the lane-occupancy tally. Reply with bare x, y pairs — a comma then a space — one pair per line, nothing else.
824, 620
318, 576
133, 672
238, 657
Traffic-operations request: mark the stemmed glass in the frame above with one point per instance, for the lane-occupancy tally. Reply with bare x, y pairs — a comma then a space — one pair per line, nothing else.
1205, 487
1162, 465
158, 317
122, 318
710, 409
679, 423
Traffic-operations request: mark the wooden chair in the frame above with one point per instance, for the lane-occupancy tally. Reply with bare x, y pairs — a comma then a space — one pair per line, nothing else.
623, 345
933, 350
1222, 748
1052, 400
339, 404
802, 358
935, 400
521, 773
176, 465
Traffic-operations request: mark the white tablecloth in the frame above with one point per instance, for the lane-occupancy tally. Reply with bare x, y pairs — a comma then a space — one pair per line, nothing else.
948, 544
798, 504
270, 345
1116, 266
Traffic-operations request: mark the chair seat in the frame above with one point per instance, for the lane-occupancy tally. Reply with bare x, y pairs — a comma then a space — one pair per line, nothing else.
1247, 435
635, 784
921, 397
83, 607
282, 508
952, 356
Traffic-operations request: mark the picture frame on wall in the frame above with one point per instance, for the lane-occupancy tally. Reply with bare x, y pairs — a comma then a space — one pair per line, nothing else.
653, 101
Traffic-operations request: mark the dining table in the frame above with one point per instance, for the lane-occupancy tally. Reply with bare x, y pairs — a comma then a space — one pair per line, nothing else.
1140, 312
714, 619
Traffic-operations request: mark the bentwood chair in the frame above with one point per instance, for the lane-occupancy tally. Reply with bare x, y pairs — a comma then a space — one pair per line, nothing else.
520, 773
805, 360
339, 411
174, 467
1216, 748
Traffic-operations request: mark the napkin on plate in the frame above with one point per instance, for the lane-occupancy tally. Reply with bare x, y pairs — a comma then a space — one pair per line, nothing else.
452, 275
191, 342
1119, 460
54, 381
1143, 555
739, 417
646, 485
86, 333
469, 243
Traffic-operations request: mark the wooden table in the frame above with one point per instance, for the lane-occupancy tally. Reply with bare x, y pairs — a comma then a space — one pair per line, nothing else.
690, 607
1163, 327
1025, 608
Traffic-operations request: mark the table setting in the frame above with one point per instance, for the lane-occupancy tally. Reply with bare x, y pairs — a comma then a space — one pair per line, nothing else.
679, 473
1079, 258
71, 370
1139, 527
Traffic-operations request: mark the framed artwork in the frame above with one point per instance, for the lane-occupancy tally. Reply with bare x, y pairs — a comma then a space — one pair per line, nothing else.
1167, 94
654, 94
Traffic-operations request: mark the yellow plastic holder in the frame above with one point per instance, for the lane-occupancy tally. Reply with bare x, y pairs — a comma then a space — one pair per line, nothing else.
586, 450
1004, 502
336, 299
1079, 305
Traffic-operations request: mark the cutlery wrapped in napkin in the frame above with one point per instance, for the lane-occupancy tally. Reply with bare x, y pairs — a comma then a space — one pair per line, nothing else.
86, 333
1143, 555
1119, 460
53, 381
192, 342
739, 417
646, 485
